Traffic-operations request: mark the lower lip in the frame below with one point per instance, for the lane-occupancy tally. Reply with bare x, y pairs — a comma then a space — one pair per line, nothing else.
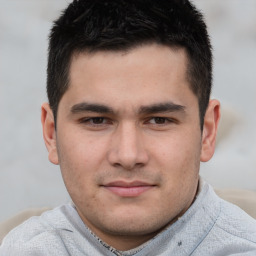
129, 191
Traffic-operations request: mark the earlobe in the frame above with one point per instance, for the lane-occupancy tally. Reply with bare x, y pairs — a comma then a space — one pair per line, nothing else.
49, 132
211, 121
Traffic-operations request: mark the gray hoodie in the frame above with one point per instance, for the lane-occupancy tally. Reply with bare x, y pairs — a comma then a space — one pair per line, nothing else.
210, 227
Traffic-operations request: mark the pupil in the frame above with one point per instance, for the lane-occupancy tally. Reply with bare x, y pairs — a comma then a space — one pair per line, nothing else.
97, 120
159, 120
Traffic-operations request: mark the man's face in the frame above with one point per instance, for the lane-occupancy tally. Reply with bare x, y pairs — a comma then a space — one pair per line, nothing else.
129, 140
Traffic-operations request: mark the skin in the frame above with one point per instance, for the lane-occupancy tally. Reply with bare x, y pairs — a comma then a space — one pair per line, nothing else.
129, 119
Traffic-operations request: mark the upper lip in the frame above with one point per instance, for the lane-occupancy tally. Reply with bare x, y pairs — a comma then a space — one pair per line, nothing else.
127, 184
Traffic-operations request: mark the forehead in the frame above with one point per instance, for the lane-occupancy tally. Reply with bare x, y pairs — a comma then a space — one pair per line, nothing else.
144, 75
149, 56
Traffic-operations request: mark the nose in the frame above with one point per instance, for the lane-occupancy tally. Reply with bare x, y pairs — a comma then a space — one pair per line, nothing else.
127, 148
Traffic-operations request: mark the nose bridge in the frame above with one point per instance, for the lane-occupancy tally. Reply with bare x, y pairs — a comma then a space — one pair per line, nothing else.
128, 139
128, 149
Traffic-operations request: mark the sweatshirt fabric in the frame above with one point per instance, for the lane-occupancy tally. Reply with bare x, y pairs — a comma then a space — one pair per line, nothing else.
211, 226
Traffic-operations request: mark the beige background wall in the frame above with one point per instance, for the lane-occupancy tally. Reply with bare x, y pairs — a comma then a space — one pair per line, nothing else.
26, 177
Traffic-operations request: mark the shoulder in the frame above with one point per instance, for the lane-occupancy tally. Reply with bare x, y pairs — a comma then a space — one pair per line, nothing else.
37, 230
230, 220
232, 231
235, 222
49, 222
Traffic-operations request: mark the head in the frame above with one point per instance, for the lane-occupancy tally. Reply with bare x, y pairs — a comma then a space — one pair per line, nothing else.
120, 25
129, 118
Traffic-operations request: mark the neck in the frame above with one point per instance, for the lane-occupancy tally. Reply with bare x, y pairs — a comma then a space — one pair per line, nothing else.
125, 242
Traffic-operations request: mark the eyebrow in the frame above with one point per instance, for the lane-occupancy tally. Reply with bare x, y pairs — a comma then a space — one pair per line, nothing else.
91, 107
143, 110
162, 107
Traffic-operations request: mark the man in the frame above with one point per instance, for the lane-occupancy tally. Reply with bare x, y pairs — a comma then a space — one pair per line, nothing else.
129, 120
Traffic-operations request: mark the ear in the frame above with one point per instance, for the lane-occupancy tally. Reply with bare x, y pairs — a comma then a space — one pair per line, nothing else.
49, 132
211, 121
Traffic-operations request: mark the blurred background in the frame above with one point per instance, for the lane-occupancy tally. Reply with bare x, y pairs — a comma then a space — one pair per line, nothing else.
27, 179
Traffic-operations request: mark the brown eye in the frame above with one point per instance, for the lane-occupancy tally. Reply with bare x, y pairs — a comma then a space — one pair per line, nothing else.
97, 120
94, 121
159, 120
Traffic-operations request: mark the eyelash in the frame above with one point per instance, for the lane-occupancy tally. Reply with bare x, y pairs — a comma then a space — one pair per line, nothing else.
101, 121
165, 119
91, 119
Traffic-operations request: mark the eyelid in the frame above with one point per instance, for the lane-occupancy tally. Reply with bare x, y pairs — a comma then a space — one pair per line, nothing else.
168, 120
85, 120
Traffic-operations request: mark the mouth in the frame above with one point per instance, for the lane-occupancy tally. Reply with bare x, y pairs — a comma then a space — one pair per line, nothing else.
128, 189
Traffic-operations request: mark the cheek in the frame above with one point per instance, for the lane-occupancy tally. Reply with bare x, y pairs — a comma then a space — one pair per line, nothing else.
80, 149
77, 172
78, 160
82, 156
178, 154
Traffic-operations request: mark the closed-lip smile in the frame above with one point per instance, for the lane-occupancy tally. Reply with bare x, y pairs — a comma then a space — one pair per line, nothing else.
128, 189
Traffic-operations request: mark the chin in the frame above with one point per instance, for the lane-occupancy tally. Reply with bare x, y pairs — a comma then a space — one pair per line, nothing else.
135, 224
